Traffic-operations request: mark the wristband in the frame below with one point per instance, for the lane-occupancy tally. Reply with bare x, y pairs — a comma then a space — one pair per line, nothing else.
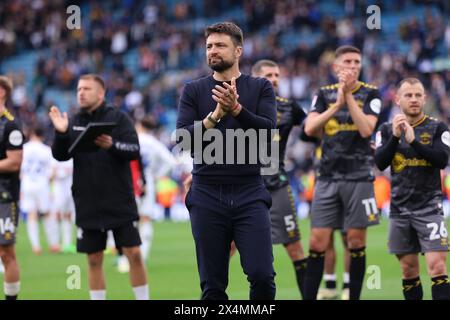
213, 121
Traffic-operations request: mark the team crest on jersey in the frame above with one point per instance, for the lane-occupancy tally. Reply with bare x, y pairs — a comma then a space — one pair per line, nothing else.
425, 138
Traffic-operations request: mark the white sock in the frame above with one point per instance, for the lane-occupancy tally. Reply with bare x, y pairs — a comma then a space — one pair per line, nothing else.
51, 230
346, 277
329, 277
146, 232
110, 243
11, 288
141, 292
33, 233
66, 226
97, 294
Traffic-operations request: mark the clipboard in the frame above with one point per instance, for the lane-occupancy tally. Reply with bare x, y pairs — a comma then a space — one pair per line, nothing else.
85, 141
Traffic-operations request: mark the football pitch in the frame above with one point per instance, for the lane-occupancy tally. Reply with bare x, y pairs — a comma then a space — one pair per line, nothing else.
172, 269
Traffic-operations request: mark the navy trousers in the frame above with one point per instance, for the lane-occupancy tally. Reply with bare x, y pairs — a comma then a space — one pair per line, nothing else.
220, 214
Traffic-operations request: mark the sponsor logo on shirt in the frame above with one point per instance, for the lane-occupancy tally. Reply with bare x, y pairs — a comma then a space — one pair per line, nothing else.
399, 163
332, 127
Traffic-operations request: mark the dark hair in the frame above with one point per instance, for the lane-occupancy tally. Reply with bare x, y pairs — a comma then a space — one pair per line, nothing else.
256, 69
345, 49
228, 28
6, 84
148, 122
410, 81
37, 130
95, 77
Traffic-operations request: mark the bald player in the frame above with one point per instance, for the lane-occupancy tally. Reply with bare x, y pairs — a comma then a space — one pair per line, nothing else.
416, 147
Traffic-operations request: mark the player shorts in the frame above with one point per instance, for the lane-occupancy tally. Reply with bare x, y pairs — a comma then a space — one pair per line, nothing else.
91, 241
283, 216
9, 219
344, 204
417, 234
36, 198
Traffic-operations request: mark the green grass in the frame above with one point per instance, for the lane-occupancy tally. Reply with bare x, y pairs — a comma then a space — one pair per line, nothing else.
172, 269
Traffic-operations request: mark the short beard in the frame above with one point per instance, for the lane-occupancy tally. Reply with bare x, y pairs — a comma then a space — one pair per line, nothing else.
413, 114
221, 66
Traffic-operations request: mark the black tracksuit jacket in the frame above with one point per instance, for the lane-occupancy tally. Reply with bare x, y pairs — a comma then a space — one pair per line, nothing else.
102, 186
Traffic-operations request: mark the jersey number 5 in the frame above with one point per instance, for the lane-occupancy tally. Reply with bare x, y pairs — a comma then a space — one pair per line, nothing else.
289, 222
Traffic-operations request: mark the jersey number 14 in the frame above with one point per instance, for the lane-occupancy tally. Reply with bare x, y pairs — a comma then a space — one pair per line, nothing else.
6, 225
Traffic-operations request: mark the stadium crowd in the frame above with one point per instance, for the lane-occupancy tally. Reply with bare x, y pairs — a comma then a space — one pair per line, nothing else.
147, 50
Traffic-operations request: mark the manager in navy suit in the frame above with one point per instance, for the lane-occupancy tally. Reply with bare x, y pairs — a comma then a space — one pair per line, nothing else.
228, 201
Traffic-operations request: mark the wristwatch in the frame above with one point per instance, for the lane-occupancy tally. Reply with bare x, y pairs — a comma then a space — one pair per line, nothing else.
210, 118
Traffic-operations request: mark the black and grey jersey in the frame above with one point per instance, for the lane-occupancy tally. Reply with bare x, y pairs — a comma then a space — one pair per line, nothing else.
415, 168
346, 155
11, 138
289, 114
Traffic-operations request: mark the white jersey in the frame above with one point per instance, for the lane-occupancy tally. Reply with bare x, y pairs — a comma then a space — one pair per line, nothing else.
36, 164
62, 186
35, 173
157, 161
62, 170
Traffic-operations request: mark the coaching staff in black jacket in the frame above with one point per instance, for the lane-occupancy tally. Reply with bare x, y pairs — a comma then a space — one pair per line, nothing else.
102, 187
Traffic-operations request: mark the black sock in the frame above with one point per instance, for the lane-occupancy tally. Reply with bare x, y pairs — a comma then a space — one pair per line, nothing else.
314, 273
357, 270
440, 288
412, 289
300, 273
10, 297
330, 284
